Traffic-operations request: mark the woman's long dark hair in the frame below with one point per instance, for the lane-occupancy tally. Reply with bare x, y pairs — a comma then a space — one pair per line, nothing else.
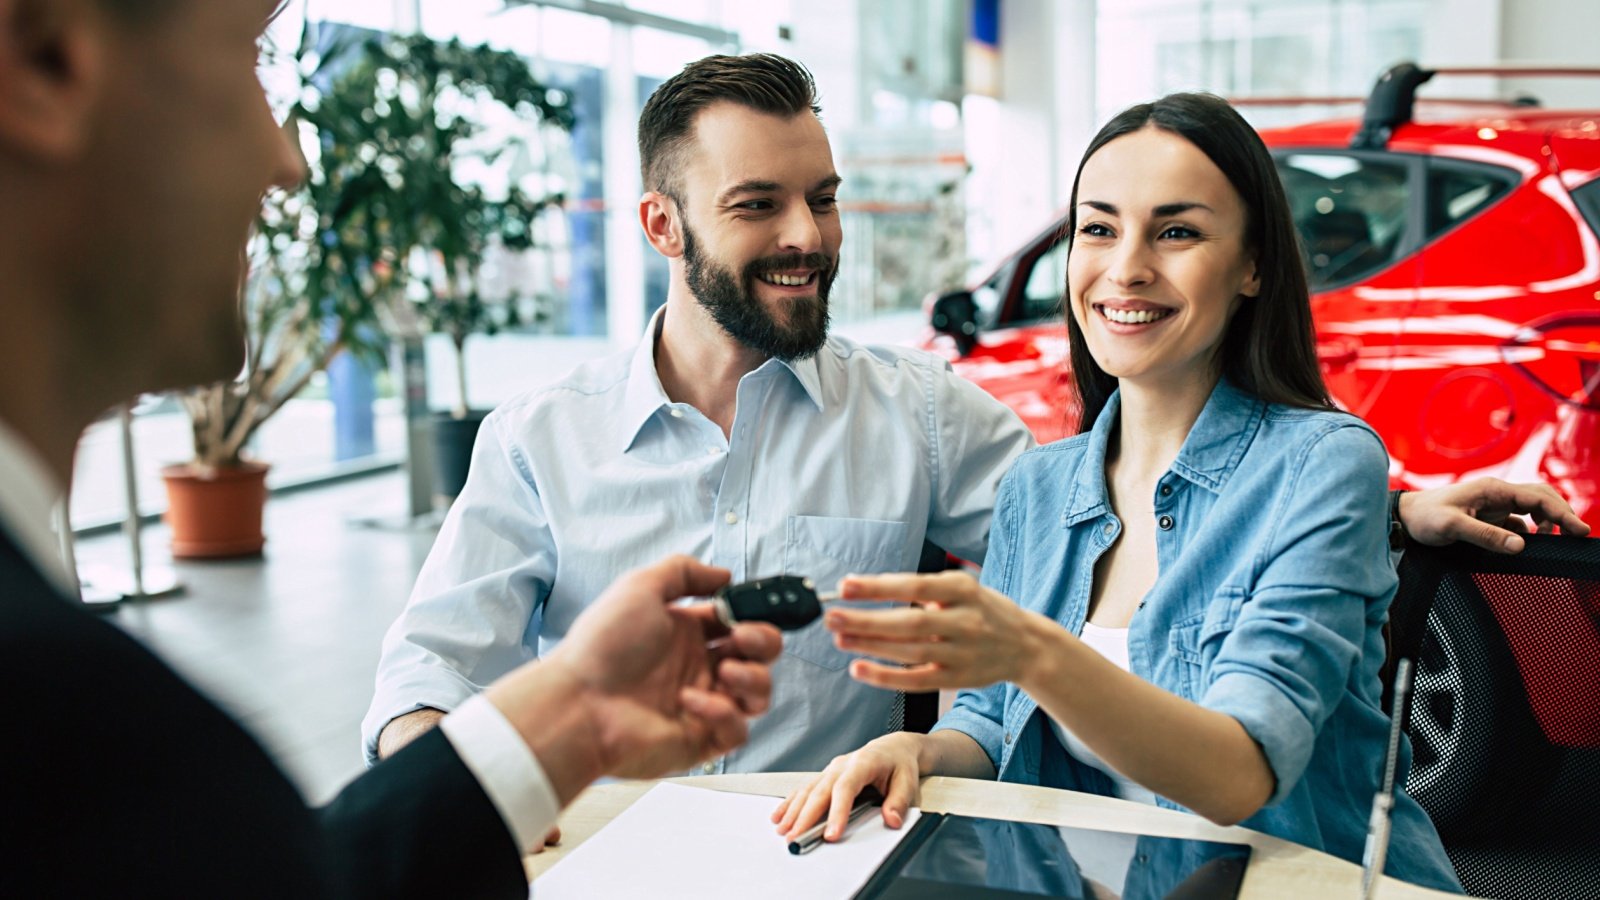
1269, 348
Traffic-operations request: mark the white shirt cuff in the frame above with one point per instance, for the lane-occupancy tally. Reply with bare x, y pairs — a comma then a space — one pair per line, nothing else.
507, 770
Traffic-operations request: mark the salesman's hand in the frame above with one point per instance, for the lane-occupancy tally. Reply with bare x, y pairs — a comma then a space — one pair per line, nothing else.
1486, 512
640, 687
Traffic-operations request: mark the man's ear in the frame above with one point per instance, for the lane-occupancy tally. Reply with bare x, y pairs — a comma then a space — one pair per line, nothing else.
52, 60
659, 216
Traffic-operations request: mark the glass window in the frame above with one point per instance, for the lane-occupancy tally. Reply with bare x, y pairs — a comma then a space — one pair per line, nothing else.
1047, 281
1350, 212
1588, 198
1458, 191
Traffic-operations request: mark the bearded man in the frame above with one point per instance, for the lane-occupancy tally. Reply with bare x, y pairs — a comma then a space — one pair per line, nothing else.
738, 432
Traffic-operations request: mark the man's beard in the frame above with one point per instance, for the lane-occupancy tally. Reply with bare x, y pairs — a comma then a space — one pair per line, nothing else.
733, 304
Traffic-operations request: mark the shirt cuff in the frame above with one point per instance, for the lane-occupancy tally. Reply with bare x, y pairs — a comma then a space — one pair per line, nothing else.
506, 769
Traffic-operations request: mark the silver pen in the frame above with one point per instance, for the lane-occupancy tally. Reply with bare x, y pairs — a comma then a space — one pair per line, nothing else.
1376, 851
811, 838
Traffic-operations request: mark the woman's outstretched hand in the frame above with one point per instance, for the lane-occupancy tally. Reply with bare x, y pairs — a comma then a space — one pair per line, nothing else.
956, 633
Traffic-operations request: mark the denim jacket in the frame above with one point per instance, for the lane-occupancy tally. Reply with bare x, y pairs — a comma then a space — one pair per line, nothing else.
1274, 585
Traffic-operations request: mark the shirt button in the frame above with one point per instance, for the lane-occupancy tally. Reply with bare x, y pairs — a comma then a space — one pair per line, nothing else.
1165, 522
1166, 490
731, 518
677, 413
1109, 530
709, 768
1008, 737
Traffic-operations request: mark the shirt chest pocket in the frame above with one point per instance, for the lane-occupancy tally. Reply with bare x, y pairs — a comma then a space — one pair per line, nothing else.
827, 548
1195, 639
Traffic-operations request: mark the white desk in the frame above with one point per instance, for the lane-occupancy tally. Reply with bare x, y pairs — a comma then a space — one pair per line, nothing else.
1278, 869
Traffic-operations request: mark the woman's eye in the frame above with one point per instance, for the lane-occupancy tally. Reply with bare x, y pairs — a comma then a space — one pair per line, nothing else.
1095, 229
1180, 232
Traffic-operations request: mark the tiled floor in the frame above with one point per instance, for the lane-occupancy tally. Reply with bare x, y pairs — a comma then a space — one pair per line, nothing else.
290, 642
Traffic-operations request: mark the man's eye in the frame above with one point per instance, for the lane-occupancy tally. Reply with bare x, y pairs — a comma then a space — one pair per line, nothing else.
756, 205
826, 202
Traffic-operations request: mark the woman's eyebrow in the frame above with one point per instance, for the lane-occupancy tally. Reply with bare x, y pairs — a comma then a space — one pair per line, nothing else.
1165, 209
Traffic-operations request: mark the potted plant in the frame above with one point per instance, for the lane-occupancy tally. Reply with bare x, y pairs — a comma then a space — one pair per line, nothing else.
381, 120
458, 303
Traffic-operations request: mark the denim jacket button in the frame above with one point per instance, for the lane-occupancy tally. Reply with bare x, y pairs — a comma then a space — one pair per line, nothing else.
1166, 490
1008, 737
1165, 522
1109, 530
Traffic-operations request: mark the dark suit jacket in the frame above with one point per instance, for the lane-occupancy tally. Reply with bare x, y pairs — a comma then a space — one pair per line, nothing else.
117, 779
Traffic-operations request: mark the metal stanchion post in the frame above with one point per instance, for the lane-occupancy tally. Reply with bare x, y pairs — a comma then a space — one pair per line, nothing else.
142, 582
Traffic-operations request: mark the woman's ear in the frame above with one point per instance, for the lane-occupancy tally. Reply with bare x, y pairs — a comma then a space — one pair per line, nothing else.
1251, 287
659, 217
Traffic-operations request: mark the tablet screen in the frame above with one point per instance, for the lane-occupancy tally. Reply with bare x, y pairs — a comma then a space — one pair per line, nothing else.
965, 857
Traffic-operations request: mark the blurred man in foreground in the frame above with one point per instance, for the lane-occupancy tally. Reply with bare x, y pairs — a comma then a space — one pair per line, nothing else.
135, 144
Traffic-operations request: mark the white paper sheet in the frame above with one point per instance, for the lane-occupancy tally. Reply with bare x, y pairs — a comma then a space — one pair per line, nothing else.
679, 841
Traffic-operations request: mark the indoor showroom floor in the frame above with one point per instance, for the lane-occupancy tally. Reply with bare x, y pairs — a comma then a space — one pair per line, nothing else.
289, 643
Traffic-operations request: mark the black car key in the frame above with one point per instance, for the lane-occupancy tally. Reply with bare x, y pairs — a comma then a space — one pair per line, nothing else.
787, 601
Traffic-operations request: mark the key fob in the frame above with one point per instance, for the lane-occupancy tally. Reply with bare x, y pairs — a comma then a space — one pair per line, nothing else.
787, 601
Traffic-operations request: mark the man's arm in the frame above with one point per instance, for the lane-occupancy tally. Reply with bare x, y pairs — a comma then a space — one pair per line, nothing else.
1486, 512
976, 439
482, 584
402, 730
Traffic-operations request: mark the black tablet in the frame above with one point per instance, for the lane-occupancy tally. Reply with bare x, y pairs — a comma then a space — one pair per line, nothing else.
946, 857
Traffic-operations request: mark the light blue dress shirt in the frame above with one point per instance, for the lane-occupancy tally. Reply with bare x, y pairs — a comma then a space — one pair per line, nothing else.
1274, 584
843, 462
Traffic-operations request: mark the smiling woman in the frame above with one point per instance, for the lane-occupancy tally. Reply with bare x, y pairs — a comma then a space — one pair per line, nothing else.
1200, 576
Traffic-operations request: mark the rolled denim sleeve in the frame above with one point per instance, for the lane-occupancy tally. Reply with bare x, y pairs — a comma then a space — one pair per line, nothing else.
1323, 588
475, 599
980, 713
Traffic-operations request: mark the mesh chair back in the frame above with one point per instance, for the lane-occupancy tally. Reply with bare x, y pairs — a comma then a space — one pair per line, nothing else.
1505, 713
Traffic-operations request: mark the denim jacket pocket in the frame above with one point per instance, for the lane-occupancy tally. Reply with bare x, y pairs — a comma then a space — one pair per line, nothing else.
1195, 637
827, 548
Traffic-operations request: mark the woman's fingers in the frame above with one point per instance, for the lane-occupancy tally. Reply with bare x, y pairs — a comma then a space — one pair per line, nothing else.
943, 587
928, 677
900, 797
908, 652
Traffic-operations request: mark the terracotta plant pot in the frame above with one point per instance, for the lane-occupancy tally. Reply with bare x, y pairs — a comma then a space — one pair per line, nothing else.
216, 513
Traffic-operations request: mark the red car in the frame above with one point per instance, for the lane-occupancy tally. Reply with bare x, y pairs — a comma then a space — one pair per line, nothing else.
1455, 274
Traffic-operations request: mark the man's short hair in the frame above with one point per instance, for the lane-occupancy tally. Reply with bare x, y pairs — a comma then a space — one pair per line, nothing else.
764, 82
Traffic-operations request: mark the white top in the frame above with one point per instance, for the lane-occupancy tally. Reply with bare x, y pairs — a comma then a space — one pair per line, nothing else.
1112, 643
487, 744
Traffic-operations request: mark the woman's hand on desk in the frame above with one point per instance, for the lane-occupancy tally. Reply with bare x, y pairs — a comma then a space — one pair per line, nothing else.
957, 633
889, 764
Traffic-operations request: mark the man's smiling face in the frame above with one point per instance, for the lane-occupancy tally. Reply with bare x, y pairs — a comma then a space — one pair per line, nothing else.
761, 228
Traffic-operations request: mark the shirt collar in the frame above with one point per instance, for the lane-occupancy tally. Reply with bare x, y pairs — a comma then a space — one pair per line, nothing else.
1217, 441
30, 499
645, 396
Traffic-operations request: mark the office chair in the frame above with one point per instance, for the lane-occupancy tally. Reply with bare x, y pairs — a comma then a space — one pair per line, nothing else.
1504, 718
922, 709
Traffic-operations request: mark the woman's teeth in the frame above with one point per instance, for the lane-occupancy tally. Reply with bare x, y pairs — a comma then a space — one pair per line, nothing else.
787, 280
1134, 316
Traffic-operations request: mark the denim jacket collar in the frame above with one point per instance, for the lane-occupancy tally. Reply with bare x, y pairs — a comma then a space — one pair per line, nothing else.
1219, 438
